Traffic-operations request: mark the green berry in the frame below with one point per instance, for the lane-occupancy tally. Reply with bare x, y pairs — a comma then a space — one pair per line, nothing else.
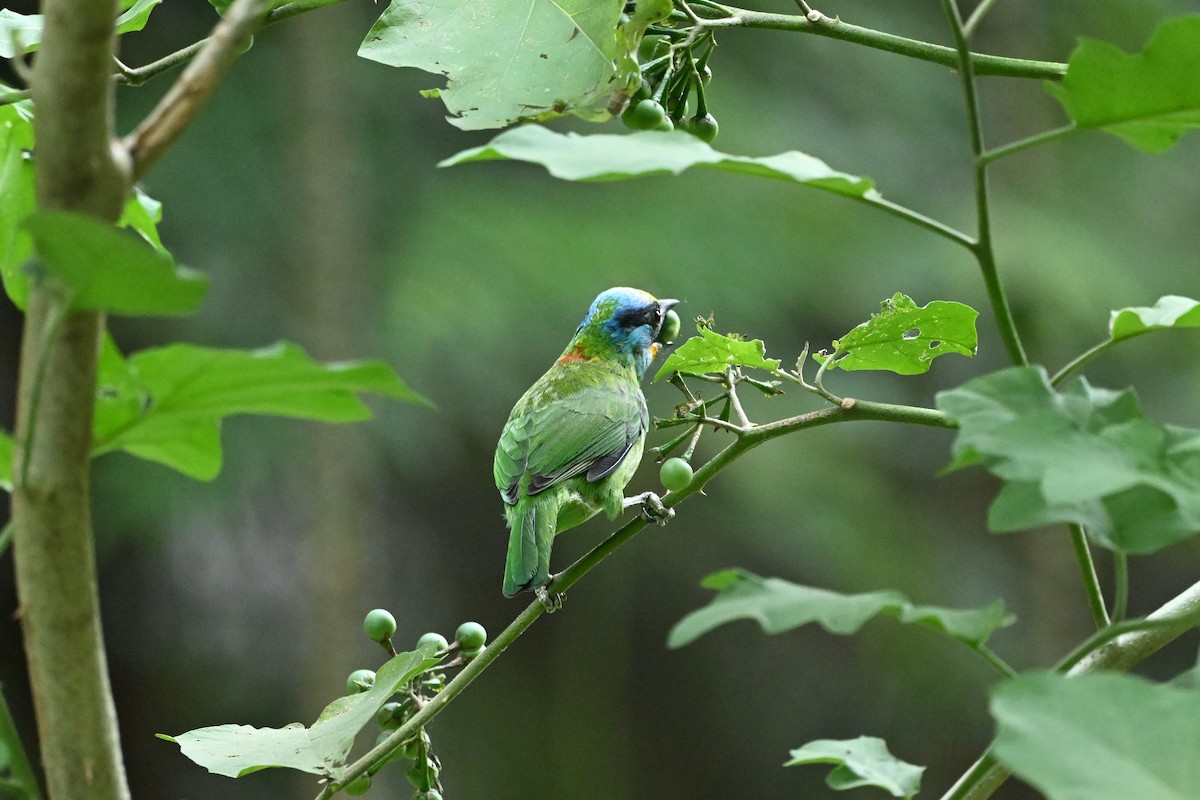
432, 794
645, 115
380, 625
669, 329
642, 92
471, 653
435, 639
390, 716
470, 636
704, 127
358, 786
676, 474
665, 125
360, 681
706, 75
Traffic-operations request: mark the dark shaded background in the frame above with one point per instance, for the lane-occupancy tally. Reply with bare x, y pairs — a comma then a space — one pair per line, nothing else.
308, 192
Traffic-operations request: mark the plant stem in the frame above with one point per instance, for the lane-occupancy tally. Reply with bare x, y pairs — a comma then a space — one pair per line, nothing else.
1091, 582
167, 122
1079, 361
1117, 647
913, 48
988, 156
984, 252
976, 17
850, 410
918, 219
996, 661
5, 537
1120, 584
24, 784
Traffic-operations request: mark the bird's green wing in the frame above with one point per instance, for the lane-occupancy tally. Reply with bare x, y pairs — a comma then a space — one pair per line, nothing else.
587, 432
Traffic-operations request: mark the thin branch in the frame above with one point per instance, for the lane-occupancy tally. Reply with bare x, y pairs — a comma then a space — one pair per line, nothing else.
849, 411
1045, 137
997, 663
167, 122
984, 252
919, 219
1079, 361
976, 17
834, 28
1091, 582
1120, 584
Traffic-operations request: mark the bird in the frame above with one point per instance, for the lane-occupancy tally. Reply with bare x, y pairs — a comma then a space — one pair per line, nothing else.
575, 438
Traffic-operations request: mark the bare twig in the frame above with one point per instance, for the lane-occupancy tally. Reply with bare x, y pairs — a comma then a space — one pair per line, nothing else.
191, 91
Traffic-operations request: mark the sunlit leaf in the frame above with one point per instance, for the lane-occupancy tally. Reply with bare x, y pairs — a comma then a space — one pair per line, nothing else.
607, 156
166, 404
1171, 311
864, 761
106, 270
710, 353
505, 60
905, 338
1085, 455
17, 199
778, 606
237, 750
1099, 737
1149, 99
6, 457
142, 213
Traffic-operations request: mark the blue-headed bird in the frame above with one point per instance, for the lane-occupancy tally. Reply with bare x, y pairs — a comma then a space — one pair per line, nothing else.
575, 438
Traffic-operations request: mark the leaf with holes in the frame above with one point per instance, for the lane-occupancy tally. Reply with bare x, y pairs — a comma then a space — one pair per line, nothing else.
778, 606
1085, 455
1149, 99
710, 353
864, 761
904, 338
1099, 737
505, 60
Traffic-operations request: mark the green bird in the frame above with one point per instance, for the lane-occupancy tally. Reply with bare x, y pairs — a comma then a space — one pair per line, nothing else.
575, 438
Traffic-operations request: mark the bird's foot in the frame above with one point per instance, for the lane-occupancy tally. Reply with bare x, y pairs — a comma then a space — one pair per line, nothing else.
550, 602
652, 507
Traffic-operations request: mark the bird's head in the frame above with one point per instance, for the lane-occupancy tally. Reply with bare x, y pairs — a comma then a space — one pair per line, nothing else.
622, 323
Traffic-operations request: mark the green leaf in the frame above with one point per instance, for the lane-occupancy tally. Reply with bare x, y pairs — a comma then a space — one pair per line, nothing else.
905, 339
134, 17
557, 55
1099, 737
1149, 99
17, 199
1171, 311
778, 606
166, 404
237, 750
1085, 455
19, 33
22, 33
864, 761
143, 213
105, 270
607, 156
6, 457
710, 353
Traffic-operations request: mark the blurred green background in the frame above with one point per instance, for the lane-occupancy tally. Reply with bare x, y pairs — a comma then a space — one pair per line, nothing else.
309, 192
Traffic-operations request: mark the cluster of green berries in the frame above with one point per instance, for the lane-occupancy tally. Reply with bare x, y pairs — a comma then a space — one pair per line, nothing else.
424, 769
661, 100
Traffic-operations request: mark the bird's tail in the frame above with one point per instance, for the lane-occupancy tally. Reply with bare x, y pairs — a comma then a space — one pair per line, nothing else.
528, 564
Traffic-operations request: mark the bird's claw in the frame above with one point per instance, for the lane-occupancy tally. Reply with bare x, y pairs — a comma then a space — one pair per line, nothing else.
653, 509
550, 602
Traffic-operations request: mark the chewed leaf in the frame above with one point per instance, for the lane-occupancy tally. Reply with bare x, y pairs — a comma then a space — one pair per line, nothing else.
905, 338
864, 761
1149, 99
607, 156
1170, 311
237, 750
557, 55
778, 606
711, 353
